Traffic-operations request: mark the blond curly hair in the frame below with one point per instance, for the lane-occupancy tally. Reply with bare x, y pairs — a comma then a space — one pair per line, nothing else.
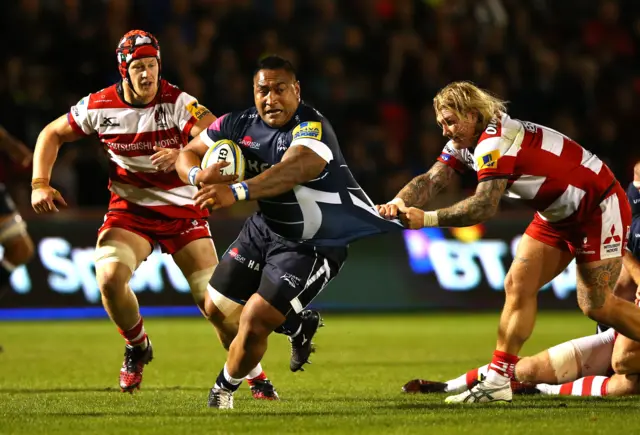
464, 97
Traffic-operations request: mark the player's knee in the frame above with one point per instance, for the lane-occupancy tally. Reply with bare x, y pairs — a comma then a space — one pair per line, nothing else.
223, 313
516, 291
596, 308
112, 280
19, 250
198, 282
624, 363
527, 370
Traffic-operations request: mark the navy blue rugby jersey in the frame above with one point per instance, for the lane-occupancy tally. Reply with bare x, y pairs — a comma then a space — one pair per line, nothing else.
331, 210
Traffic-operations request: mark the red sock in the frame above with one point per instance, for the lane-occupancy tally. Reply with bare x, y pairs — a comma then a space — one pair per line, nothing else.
261, 377
472, 378
136, 335
503, 364
589, 386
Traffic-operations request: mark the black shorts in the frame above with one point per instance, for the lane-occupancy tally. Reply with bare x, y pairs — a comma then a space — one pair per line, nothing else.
287, 274
7, 207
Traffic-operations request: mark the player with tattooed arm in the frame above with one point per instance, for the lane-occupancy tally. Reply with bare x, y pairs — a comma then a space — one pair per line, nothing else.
581, 213
310, 209
604, 364
143, 121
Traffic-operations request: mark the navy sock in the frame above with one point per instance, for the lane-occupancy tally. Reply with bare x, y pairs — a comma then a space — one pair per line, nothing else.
221, 381
291, 324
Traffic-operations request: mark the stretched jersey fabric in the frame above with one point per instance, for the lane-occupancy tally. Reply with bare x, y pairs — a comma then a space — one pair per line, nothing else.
546, 170
129, 134
331, 210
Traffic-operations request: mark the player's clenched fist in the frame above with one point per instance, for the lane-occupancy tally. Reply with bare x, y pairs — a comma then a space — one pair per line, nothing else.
214, 196
45, 197
412, 218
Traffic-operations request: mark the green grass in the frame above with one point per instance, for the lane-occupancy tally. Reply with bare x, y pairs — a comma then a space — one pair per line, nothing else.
61, 378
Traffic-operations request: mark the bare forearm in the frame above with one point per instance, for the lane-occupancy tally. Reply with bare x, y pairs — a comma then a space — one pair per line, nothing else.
425, 187
187, 159
281, 178
470, 211
45, 153
475, 209
418, 192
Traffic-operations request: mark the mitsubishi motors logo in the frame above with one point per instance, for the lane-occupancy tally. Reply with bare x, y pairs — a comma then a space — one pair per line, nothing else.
613, 237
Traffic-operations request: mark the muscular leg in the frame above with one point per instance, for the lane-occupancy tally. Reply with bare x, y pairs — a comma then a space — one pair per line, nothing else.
258, 319
534, 265
197, 261
118, 254
594, 287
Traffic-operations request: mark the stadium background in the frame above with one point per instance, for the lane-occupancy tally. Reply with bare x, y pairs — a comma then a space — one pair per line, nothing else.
372, 67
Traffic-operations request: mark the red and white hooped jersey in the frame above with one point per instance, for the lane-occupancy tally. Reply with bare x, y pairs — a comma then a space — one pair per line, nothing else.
547, 170
129, 134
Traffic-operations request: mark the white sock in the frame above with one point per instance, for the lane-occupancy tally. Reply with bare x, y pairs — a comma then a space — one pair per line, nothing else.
495, 378
548, 389
255, 372
461, 383
228, 378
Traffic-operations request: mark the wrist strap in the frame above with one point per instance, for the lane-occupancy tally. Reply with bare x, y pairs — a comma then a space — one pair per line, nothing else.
38, 183
240, 191
192, 174
430, 219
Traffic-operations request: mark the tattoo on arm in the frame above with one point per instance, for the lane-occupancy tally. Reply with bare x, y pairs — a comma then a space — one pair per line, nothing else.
424, 187
476, 209
299, 165
595, 282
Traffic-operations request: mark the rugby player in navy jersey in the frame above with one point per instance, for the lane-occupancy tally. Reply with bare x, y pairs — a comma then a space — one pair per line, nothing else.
310, 209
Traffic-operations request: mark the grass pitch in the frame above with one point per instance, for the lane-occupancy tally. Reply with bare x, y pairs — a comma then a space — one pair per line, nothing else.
61, 378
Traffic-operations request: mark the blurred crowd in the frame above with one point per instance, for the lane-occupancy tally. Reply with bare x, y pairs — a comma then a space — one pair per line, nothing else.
371, 66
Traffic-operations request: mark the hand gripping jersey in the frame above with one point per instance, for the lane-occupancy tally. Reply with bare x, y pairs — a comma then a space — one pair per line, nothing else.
331, 210
546, 170
129, 134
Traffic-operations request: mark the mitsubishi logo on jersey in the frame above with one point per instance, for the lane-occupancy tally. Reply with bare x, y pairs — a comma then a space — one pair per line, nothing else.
613, 237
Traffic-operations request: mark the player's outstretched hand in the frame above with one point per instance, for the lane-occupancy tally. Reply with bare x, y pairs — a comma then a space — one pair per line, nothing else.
412, 218
214, 196
43, 200
212, 175
164, 159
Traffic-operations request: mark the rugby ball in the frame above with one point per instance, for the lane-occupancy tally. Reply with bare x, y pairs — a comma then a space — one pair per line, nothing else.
225, 150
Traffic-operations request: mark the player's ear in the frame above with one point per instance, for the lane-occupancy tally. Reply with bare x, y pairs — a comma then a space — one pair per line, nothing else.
296, 89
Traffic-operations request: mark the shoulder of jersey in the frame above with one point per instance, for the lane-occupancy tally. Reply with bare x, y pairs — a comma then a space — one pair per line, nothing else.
170, 93
103, 99
308, 113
